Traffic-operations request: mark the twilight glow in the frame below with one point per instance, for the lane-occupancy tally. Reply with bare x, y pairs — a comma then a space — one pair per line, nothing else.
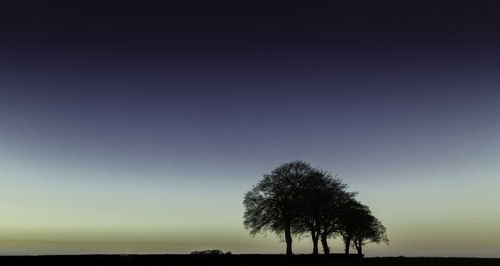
129, 130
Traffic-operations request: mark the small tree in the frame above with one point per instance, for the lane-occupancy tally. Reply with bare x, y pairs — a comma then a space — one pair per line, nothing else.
312, 206
330, 221
319, 207
370, 230
273, 203
358, 227
351, 215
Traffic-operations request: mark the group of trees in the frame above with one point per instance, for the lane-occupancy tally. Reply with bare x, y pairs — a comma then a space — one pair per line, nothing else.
297, 199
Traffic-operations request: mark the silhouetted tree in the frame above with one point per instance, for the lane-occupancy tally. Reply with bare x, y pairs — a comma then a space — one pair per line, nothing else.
357, 224
311, 205
296, 199
330, 221
319, 207
369, 230
273, 203
350, 217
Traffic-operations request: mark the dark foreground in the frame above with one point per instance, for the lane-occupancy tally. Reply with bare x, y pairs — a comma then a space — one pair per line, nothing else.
235, 260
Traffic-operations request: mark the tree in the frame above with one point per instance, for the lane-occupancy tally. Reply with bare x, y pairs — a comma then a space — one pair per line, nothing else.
330, 221
357, 224
370, 230
350, 217
273, 203
311, 205
319, 207
295, 199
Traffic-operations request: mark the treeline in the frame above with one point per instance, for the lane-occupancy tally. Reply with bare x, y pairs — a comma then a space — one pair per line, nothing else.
296, 199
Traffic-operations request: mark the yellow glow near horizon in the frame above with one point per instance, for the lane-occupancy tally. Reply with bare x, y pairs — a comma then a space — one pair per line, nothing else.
47, 212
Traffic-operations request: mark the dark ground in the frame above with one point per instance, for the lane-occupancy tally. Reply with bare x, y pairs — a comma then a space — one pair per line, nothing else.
235, 260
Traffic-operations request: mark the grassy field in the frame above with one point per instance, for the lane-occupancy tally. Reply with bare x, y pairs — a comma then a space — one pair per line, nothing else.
236, 260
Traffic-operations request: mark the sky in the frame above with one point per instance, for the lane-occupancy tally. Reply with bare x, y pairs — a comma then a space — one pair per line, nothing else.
137, 128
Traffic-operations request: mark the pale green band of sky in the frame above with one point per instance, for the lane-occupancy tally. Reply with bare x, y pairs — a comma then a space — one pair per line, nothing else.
441, 210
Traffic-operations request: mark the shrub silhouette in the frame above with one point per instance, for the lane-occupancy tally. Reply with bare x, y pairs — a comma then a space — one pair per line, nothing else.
210, 252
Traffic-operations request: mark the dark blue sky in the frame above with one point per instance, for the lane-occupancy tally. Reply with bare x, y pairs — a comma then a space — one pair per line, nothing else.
388, 95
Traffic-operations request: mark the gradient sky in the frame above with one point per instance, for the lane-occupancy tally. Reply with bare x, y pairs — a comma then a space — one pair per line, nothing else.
138, 128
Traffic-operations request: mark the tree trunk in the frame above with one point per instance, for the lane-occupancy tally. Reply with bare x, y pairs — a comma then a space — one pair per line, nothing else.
315, 243
288, 239
347, 242
324, 242
359, 247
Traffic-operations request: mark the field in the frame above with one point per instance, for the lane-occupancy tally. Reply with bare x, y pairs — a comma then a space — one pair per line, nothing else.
147, 260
